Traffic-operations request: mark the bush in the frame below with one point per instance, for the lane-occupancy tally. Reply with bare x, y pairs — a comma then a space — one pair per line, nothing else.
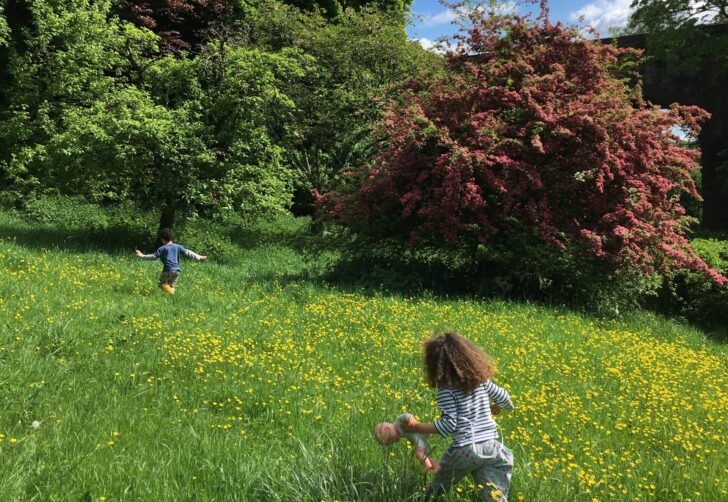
66, 212
535, 160
119, 224
204, 237
693, 296
520, 270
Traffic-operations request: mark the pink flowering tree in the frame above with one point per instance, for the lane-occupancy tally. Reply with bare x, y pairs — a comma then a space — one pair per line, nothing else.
534, 135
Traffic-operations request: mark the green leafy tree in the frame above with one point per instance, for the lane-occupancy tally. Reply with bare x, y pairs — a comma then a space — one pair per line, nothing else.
357, 61
126, 147
96, 111
4, 28
675, 35
62, 56
688, 40
4, 41
334, 8
180, 24
247, 110
666, 14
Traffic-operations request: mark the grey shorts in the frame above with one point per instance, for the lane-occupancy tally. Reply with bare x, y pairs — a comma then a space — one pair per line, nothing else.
168, 277
489, 463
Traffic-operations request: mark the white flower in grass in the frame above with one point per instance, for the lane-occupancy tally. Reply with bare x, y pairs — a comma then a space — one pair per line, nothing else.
35, 424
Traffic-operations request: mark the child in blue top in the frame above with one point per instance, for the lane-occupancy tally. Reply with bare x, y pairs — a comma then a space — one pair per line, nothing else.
169, 253
467, 399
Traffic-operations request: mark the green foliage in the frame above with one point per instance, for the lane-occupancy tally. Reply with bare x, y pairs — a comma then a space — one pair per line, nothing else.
521, 269
67, 58
255, 384
4, 28
335, 8
76, 223
95, 111
694, 297
278, 99
124, 146
675, 36
247, 111
77, 213
664, 14
356, 61
693, 206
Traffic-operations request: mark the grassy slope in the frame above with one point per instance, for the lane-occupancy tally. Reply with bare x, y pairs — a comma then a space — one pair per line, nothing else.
251, 386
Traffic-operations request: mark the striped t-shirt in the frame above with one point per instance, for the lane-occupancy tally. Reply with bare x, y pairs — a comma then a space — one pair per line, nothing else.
467, 417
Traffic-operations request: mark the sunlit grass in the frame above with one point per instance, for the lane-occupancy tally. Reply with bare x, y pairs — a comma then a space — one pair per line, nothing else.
248, 386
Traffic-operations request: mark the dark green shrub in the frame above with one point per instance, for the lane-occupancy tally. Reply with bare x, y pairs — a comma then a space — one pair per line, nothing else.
85, 223
206, 238
698, 299
523, 269
66, 212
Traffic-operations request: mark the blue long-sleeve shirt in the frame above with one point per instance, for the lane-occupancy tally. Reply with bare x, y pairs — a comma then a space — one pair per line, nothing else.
169, 255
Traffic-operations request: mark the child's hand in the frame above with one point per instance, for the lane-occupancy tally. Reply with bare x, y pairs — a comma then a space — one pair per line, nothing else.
411, 422
138, 253
494, 409
203, 258
430, 465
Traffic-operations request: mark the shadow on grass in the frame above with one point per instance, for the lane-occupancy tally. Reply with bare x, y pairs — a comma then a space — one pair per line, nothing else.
114, 239
438, 283
285, 232
325, 263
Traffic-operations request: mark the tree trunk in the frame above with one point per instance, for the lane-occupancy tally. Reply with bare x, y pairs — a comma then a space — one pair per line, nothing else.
166, 219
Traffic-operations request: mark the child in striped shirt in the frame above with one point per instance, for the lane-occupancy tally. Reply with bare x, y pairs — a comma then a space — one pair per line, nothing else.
461, 372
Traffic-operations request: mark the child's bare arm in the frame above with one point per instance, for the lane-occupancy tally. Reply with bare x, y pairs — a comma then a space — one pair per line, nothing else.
194, 255
413, 425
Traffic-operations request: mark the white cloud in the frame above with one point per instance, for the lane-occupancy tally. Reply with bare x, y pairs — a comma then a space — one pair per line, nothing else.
438, 47
449, 15
604, 14
426, 43
506, 8
701, 12
444, 17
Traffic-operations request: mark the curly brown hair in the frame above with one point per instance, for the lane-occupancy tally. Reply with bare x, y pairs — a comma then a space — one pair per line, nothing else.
456, 362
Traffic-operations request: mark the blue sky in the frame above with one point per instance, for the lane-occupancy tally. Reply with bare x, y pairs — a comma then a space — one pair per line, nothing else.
434, 20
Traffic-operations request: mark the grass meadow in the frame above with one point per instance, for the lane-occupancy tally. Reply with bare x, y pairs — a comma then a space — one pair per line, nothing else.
259, 382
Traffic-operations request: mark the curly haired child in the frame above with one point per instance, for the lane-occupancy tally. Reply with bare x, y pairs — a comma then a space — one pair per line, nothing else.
461, 372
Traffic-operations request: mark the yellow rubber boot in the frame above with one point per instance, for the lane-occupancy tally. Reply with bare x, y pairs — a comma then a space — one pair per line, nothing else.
168, 289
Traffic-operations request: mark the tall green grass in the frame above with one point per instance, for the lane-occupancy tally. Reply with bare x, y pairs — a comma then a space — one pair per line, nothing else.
258, 381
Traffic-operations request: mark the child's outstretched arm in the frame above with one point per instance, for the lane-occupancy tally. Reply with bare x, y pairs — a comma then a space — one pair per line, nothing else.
499, 396
413, 425
151, 256
191, 254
